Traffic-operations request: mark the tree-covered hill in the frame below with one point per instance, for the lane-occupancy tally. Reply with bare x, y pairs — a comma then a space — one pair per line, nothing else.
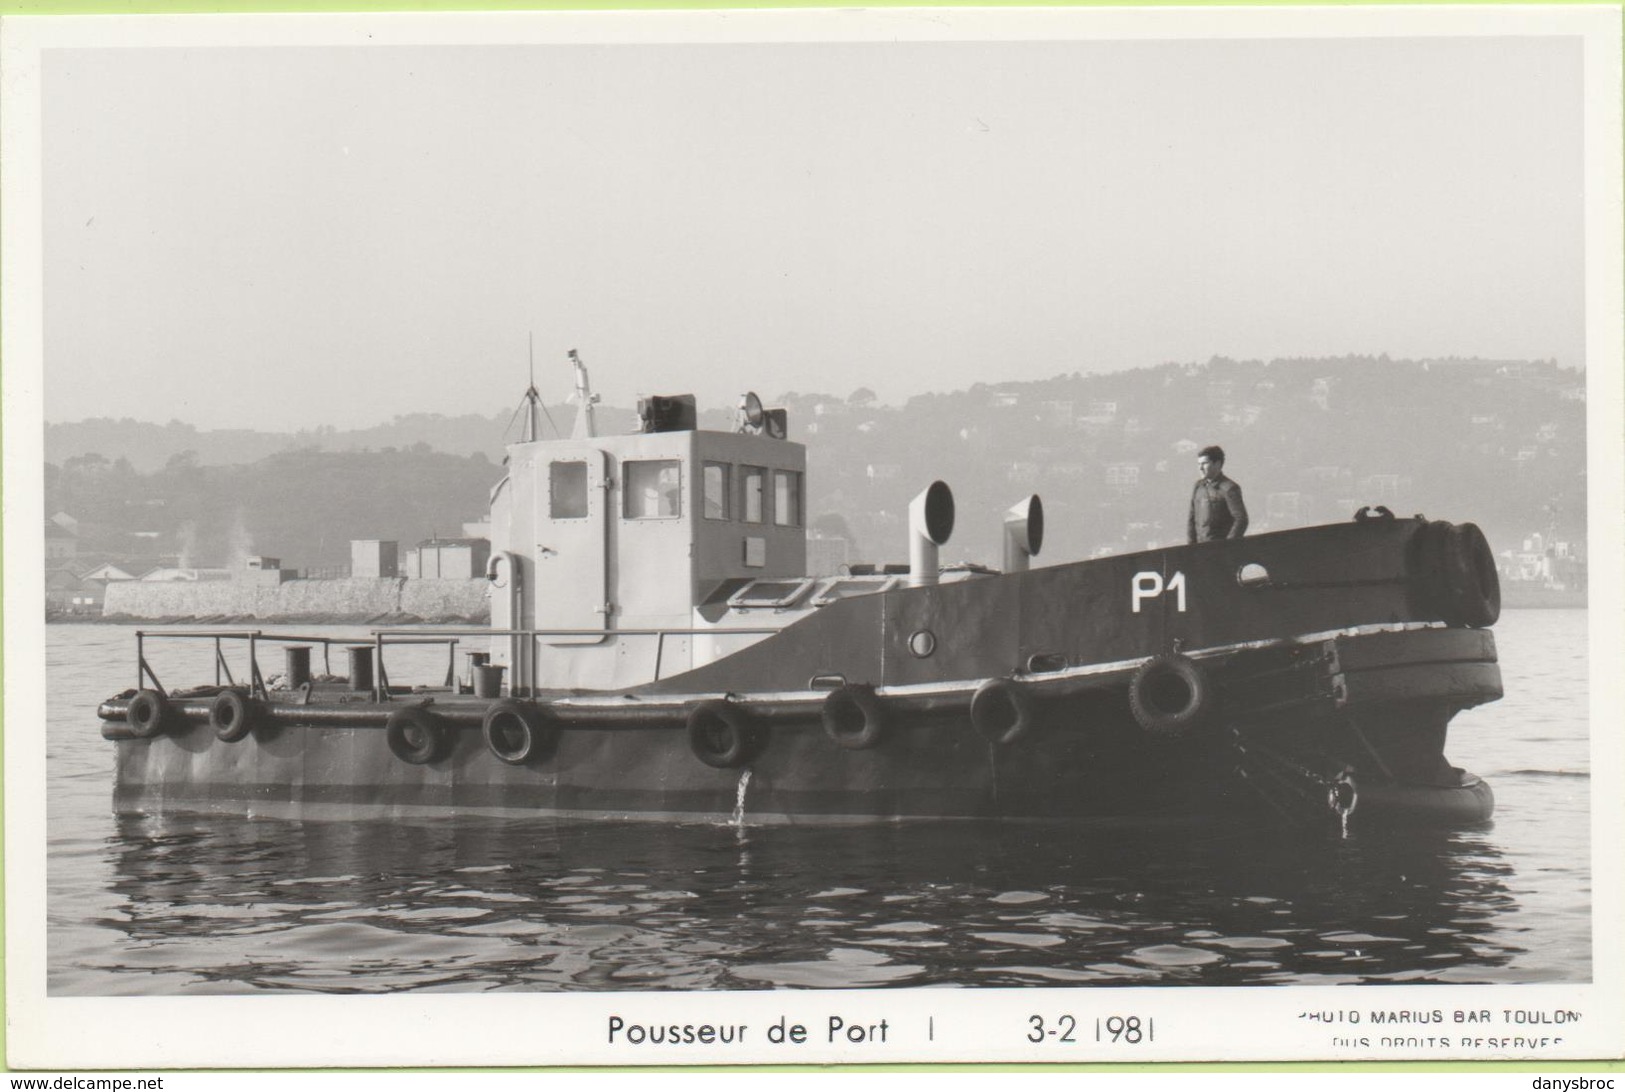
1114, 456
1501, 443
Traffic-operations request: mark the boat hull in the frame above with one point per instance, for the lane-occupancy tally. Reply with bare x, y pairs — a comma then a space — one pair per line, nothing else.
1306, 731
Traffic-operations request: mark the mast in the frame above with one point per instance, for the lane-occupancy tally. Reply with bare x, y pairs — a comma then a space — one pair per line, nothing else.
585, 428
533, 400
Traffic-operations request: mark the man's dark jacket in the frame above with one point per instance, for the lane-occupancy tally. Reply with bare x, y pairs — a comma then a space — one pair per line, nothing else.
1216, 511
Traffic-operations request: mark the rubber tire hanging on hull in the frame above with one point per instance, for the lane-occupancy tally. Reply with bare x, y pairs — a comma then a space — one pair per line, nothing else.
854, 702
147, 714
1001, 712
724, 736
416, 736
519, 734
1472, 578
232, 715
1457, 574
1170, 696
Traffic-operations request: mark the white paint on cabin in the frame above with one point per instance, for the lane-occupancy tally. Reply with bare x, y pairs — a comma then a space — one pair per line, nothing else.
635, 532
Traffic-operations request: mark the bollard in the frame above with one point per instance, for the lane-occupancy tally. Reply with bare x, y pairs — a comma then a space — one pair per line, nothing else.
488, 680
360, 667
296, 659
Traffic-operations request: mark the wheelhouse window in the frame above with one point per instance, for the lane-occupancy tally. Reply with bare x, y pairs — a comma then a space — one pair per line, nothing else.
787, 498
718, 477
567, 490
652, 487
755, 479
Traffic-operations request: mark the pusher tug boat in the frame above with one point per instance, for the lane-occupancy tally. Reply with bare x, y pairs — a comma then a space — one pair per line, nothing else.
656, 651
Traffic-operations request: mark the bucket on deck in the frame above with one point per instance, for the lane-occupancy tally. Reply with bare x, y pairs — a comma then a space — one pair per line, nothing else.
360, 666
488, 680
476, 660
296, 661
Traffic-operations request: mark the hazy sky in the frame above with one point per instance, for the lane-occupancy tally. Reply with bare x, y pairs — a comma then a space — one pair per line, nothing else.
289, 237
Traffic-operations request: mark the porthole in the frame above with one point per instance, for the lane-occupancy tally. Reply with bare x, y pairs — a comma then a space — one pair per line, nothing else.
922, 643
1252, 575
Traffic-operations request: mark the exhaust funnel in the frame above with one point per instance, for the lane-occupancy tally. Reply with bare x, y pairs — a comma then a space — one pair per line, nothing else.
930, 523
1023, 534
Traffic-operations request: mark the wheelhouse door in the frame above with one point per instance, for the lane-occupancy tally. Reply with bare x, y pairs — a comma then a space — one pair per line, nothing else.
571, 591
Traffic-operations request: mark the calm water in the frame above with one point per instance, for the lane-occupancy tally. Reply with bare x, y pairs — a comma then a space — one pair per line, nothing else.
184, 905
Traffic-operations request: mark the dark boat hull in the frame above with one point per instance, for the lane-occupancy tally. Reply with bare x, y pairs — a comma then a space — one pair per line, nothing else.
1308, 675
1291, 726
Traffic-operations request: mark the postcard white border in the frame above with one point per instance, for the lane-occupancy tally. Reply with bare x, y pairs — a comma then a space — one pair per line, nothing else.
928, 1025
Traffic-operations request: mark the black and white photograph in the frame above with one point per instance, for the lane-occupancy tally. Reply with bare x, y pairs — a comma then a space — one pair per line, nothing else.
768, 537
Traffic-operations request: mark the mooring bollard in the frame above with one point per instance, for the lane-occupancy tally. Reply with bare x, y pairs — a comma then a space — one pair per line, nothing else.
360, 666
296, 660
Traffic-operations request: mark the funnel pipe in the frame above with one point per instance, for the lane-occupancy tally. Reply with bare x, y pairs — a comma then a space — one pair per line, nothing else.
930, 523
1023, 534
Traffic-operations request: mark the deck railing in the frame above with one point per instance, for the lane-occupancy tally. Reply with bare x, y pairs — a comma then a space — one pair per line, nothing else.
524, 650
524, 644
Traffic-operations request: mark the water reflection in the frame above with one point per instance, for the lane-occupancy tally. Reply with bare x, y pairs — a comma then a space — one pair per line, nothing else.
216, 904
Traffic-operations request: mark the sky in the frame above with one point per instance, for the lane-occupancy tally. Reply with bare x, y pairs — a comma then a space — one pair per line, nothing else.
293, 236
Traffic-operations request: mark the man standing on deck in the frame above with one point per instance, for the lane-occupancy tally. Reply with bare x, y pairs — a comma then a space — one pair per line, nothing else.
1216, 508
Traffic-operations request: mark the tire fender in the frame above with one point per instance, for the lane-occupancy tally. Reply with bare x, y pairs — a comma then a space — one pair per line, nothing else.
1170, 696
518, 734
148, 714
417, 736
724, 736
1456, 576
233, 715
1471, 579
1001, 711
854, 717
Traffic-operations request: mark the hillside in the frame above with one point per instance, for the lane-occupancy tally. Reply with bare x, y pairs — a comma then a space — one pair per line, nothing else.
1113, 455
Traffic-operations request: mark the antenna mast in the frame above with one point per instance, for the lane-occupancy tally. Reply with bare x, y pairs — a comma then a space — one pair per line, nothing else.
533, 399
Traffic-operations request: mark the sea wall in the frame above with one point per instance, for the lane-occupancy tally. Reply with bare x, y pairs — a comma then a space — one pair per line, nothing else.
393, 599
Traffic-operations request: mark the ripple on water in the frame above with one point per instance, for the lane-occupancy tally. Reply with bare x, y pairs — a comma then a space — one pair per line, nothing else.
1021, 940
1078, 922
1121, 970
1343, 937
1174, 955
441, 913
900, 942
1018, 898
1045, 974
902, 927
1248, 943
844, 968
511, 928
346, 937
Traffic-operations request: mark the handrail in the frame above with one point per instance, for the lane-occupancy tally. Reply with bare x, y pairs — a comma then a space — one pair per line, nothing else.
673, 631
244, 634
382, 638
